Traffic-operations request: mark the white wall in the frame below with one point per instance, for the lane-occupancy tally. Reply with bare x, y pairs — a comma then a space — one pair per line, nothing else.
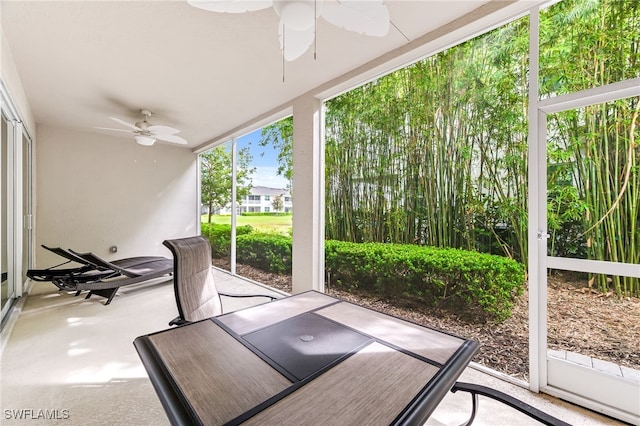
11, 79
95, 191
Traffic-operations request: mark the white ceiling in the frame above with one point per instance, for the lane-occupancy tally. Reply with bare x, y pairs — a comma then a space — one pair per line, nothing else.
82, 62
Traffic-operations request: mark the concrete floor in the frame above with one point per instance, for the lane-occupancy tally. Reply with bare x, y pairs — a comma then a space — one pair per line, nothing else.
73, 360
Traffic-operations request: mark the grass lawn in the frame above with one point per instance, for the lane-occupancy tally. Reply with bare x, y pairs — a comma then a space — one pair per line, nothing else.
281, 224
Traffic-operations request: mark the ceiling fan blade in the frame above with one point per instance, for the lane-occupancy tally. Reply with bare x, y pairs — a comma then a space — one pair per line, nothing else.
295, 42
369, 17
113, 130
124, 123
231, 6
165, 130
171, 138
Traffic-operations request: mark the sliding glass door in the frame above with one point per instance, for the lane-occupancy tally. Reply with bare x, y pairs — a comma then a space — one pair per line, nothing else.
16, 218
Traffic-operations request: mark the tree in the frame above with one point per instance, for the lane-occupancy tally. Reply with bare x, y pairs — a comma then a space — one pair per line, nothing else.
216, 179
435, 153
593, 174
280, 136
277, 203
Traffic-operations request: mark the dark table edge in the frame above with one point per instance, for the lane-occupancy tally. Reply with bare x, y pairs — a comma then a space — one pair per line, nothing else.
421, 408
173, 406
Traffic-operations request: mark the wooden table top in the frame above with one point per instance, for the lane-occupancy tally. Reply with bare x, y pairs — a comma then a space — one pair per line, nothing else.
307, 359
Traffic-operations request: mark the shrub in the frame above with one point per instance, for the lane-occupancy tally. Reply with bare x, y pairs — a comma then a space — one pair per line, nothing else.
219, 236
266, 251
477, 285
470, 283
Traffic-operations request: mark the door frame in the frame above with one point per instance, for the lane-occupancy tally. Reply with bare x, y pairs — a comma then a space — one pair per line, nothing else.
551, 375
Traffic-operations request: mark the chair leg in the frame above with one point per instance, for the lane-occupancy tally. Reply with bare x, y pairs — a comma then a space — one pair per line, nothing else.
502, 397
474, 409
112, 295
108, 293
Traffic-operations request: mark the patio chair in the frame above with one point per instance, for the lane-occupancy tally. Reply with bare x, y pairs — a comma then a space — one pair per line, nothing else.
502, 397
124, 272
196, 295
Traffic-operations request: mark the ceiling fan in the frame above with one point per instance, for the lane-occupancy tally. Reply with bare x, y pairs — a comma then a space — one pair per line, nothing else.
298, 18
146, 133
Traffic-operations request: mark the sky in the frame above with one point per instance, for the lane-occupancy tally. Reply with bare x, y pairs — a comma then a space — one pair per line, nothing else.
265, 160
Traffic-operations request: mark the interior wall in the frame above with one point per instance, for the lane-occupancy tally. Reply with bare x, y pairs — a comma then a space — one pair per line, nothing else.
11, 79
97, 191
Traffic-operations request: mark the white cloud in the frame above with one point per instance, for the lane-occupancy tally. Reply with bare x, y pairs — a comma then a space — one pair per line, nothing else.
267, 176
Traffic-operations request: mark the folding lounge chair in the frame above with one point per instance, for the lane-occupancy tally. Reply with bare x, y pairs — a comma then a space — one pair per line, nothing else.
196, 295
86, 272
125, 272
53, 272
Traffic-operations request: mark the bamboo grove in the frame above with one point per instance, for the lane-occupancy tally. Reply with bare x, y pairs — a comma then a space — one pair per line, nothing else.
594, 177
435, 153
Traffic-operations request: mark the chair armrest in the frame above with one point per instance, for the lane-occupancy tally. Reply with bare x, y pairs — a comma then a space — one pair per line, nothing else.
502, 397
247, 295
178, 321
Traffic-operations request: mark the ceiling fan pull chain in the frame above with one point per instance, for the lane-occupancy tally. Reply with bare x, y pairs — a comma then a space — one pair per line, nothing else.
315, 29
284, 46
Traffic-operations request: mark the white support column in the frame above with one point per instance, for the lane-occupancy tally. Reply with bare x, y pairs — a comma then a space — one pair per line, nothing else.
234, 204
308, 195
537, 244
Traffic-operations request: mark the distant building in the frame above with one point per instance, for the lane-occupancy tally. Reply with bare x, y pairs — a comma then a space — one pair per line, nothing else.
261, 200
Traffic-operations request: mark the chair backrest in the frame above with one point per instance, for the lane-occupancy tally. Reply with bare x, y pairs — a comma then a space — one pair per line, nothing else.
102, 264
195, 290
69, 256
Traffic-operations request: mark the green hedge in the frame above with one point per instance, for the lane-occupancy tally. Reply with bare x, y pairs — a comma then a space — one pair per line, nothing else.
478, 285
469, 283
265, 214
219, 236
269, 252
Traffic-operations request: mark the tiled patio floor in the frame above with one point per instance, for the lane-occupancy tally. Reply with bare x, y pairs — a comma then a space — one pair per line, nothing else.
75, 358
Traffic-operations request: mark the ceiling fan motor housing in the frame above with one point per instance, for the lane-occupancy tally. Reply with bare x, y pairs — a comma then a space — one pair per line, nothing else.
297, 14
146, 133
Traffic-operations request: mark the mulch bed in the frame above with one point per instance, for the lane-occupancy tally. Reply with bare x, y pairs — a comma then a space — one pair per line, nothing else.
579, 320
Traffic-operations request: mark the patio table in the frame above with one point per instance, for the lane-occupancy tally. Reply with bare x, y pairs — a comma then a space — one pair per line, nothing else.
303, 359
